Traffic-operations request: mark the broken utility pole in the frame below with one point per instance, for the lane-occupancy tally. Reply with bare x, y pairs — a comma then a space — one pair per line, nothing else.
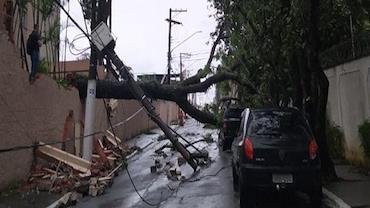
102, 39
105, 43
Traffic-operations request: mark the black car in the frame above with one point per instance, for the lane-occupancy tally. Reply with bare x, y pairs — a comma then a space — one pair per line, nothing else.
231, 123
275, 150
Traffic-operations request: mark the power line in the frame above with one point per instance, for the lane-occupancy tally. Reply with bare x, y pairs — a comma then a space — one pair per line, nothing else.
198, 59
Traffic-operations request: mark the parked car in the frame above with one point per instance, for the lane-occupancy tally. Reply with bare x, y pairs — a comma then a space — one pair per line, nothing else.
231, 123
275, 150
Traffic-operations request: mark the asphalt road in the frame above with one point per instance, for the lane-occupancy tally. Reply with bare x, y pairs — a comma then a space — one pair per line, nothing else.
210, 187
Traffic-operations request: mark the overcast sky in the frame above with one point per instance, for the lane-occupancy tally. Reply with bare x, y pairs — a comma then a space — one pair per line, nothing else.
142, 34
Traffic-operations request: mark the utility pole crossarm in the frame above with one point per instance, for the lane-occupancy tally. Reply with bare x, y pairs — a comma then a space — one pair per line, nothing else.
179, 10
173, 21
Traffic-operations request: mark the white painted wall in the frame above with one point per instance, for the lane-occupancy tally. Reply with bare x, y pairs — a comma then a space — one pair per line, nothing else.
348, 103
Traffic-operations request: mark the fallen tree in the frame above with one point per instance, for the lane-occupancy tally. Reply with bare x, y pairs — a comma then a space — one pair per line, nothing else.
176, 93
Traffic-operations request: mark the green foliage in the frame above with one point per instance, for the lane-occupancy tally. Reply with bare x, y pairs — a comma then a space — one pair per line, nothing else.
22, 6
45, 7
270, 39
63, 83
364, 130
44, 66
215, 110
81, 77
223, 88
52, 35
335, 139
210, 126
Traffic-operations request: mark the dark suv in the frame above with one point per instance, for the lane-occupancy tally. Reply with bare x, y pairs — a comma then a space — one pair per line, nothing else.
275, 150
231, 123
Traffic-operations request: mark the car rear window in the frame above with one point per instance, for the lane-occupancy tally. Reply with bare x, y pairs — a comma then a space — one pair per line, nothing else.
233, 113
279, 123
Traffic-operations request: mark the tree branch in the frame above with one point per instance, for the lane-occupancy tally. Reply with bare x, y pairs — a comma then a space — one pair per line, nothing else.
207, 68
154, 90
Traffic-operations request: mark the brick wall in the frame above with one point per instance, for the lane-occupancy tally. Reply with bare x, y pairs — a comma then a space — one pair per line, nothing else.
37, 112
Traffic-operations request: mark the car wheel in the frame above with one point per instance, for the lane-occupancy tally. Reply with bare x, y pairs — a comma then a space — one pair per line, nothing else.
235, 180
247, 195
316, 197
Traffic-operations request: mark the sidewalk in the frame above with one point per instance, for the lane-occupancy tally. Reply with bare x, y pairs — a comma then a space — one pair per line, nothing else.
352, 190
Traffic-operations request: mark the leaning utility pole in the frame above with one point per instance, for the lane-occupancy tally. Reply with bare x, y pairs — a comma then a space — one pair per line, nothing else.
103, 40
169, 57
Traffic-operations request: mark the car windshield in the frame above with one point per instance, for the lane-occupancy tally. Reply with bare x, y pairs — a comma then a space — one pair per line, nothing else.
279, 123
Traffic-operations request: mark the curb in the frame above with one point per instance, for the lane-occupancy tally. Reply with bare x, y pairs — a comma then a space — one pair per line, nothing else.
338, 202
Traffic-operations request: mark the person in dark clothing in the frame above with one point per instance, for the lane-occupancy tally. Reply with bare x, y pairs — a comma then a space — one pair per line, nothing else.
35, 39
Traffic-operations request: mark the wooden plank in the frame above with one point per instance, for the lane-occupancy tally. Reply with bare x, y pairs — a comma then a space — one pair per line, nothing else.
111, 139
105, 178
49, 170
71, 160
110, 159
101, 144
114, 170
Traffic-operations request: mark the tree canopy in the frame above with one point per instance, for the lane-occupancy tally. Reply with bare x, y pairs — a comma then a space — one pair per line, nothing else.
276, 46
270, 40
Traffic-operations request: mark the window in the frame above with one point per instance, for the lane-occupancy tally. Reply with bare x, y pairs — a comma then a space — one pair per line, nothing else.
279, 123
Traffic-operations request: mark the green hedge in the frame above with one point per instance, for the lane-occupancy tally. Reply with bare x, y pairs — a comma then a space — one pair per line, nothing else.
364, 130
335, 138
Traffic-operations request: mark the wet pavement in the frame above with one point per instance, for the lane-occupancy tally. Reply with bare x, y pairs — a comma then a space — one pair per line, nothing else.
353, 187
210, 187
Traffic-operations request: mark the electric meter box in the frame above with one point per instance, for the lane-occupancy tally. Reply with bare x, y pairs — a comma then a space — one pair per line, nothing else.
101, 36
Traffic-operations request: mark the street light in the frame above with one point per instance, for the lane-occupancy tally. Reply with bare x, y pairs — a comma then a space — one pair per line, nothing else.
170, 51
190, 36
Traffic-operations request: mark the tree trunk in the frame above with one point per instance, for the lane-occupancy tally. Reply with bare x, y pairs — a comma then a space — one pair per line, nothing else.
320, 85
120, 90
327, 164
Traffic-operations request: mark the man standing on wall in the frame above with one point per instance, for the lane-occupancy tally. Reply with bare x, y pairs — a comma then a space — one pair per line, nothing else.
33, 49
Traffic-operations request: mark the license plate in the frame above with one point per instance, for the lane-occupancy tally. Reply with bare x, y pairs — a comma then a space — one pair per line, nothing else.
282, 178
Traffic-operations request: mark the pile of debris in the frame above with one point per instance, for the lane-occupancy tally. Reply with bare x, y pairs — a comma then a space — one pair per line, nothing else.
167, 161
62, 172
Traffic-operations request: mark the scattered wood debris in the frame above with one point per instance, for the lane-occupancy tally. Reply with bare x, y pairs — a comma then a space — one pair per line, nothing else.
60, 171
52, 153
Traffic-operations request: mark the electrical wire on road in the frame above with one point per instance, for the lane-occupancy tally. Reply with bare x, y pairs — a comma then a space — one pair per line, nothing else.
31, 146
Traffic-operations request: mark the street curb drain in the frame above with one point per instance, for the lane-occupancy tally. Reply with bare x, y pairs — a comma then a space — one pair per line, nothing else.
338, 202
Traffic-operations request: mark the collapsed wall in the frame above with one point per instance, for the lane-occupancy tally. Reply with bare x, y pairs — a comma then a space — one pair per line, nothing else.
28, 113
